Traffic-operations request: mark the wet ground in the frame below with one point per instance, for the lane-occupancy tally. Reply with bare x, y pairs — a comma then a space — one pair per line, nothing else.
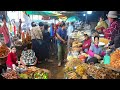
57, 72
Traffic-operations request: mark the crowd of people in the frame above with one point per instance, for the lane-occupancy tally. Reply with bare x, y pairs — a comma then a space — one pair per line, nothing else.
52, 40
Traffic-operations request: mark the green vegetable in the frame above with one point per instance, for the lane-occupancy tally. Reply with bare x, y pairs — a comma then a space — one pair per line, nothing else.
23, 76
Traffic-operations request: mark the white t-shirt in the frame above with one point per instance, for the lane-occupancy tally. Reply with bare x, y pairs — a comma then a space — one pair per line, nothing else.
69, 30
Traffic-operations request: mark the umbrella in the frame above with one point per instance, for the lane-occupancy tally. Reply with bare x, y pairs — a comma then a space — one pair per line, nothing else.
73, 19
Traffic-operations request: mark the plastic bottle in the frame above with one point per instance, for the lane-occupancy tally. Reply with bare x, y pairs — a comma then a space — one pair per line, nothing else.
106, 58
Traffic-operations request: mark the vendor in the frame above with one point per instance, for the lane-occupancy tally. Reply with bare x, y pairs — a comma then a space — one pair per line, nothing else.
12, 59
86, 43
114, 29
101, 25
95, 52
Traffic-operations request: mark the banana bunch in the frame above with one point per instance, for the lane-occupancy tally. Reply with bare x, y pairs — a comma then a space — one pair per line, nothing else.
80, 70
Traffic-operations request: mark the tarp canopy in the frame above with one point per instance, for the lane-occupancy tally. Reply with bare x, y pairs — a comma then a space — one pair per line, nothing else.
43, 13
73, 19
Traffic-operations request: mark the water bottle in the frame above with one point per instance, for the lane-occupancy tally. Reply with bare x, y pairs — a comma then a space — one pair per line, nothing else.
106, 58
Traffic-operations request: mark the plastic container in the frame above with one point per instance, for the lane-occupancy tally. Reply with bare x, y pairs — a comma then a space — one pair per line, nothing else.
106, 58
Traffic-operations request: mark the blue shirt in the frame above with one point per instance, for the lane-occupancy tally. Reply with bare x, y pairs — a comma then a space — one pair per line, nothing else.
96, 50
62, 34
51, 31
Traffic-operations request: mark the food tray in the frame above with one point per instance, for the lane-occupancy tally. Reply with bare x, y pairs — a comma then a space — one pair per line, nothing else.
109, 67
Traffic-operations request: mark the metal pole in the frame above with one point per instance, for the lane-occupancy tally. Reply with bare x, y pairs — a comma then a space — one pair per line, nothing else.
86, 17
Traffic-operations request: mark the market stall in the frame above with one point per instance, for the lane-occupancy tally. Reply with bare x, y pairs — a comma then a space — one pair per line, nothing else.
76, 68
27, 73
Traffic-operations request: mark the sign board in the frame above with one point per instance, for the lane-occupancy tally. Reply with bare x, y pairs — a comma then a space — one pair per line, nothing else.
45, 18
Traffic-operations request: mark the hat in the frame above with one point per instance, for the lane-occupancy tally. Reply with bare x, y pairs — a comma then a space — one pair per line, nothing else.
41, 24
112, 14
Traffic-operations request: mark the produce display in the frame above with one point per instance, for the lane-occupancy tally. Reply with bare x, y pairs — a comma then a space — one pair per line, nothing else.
30, 73
35, 73
71, 75
23, 38
76, 44
10, 75
18, 43
80, 70
28, 38
72, 63
106, 41
115, 59
101, 73
28, 57
4, 50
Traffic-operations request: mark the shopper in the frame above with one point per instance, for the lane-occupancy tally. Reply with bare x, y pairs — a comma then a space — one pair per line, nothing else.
114, 29
86, 43
4, 30
101, 25
52, 48
12, 59
95, 52
55, 36
37, 38
46, 43
61, 43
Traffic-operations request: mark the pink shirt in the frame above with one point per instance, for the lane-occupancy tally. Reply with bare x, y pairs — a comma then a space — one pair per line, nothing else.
5, 32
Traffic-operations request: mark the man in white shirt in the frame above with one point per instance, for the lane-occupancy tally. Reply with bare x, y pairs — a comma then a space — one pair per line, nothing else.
70, 29
69, 32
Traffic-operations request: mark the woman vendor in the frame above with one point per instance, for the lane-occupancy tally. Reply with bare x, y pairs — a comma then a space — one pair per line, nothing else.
113, 32
101, 25
12, 59
114, 29
95, 52
86, 43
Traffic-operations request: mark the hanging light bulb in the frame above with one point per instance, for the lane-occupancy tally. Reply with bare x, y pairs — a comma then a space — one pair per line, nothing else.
84, 14
89, 12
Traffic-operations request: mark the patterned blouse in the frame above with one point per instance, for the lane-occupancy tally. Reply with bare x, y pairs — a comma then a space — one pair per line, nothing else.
112, 31
28, 57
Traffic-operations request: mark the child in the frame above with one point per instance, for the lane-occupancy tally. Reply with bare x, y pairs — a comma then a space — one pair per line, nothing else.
12, 59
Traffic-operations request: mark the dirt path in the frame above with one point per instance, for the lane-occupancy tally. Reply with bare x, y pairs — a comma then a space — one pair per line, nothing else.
57, 72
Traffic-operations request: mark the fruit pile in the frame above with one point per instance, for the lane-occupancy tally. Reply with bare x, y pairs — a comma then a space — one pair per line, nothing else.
72, 63
71, 75
102, 73
10, 75
35, 73
4, 50
115, 59
106, 41
80, 70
